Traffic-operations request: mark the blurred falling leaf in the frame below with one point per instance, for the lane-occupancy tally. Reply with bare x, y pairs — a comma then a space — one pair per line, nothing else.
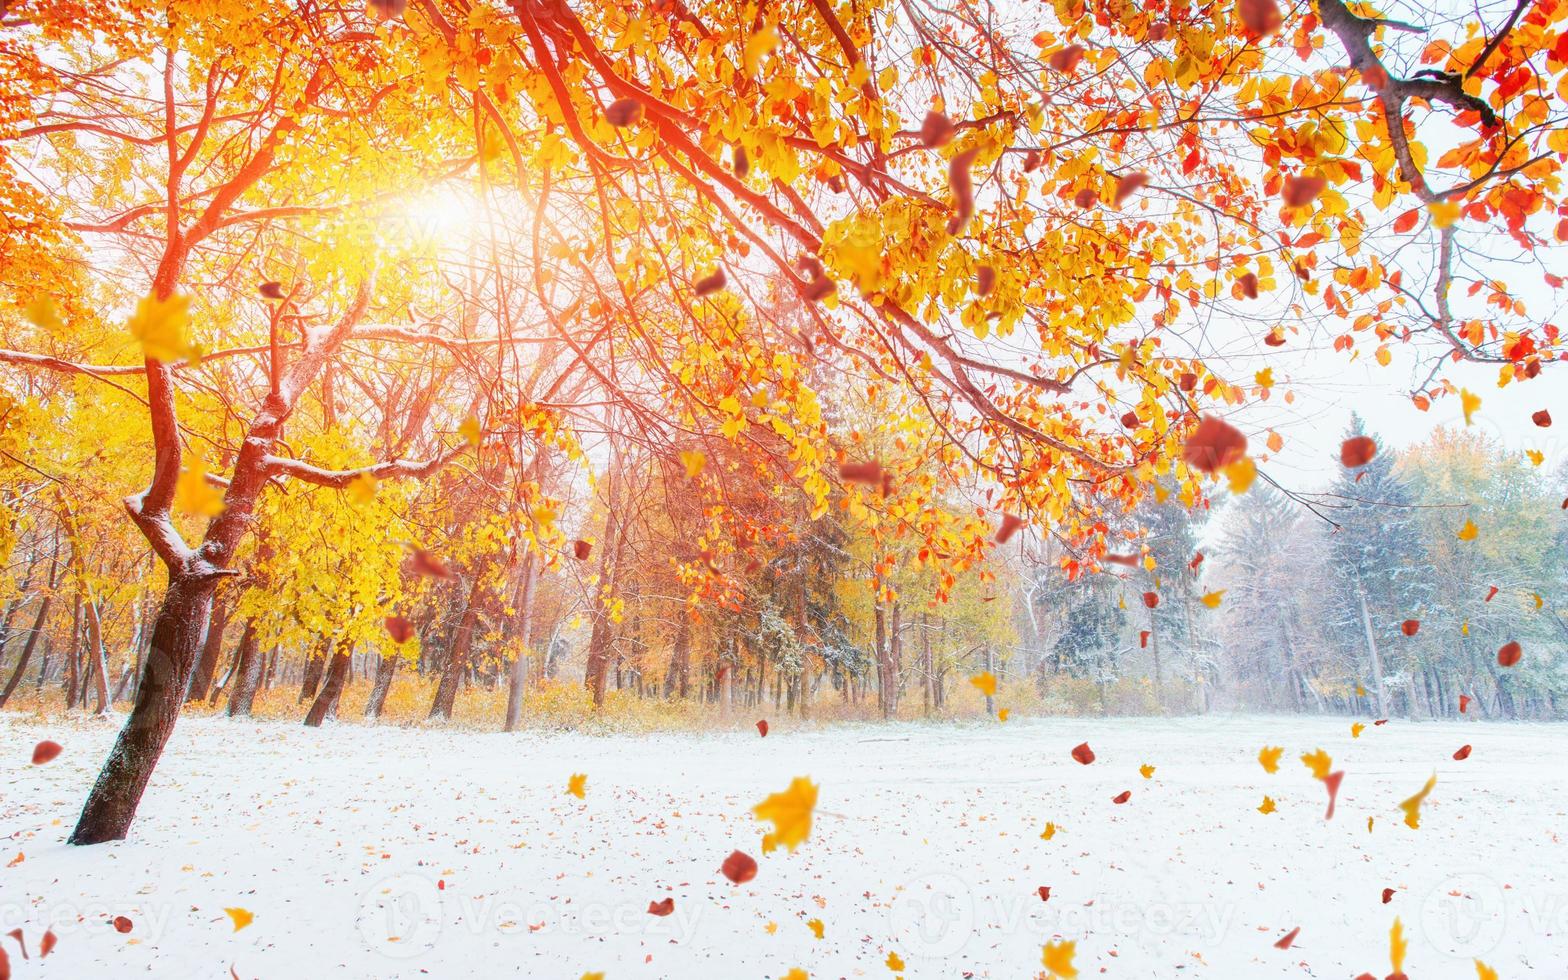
1058, 959
577, 784
790, 812
1412, 807
1268, 757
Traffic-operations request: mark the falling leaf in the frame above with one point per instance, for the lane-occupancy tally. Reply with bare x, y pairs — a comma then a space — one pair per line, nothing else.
1319, 762
1122, 797
1469, 531
193, 494
1509, 654
1267, 806
581, 549
1469, 403
428, 565
816, 927
1484, 972
623, 112
1010, 526
985, 281
1058, 959
1356, 730
1066, 59
1490, 593
1536, 457
1331, 782
1146, 771
470, 430
796, 974
894, 963
1048, 832
1543, 418
160, 327
961, 184
1302, 191
762, 728
577, 784
1464, 703
1151, 599
1268, 757
710, 284
662, 907
757, 47
399, 628
46, 751
41, 313
122, 924
1249, 288
936, 130
1261, 17
240, 917
1240, 474
1129, 185
1357, 451
790, 813
986, 682
362, 489
739, 867
1213, 445
1444, 213
1082, 754
1412, 807
1396, 946
47, 944
868, 474
1462, 753
1213, 599
1410, 627
1290, 937
1003, 713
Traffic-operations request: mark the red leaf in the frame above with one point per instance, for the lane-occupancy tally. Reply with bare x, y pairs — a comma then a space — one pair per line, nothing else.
122, 924
963, 188
47, 944
985, 280
1131, 561
1301, 191
1083, 754
1045, 893
428, 565
1543, 418
1332, 781
5, 965
1129, 185
710, 284
1357, 451
1122, 797
1464, 703
1151, 599
1067, 59
1406, 221
1289, 937
1214, 444
1388, 895
1462, 754
623, 112
45, 751
1249, 285
1086, 198
1410, 627
399, 628
663, 907
936, 130
20, 940
869, 474
1197, 560
1143, 639
1509, 654
1490, 594
1010, 526
739, 868
762, 728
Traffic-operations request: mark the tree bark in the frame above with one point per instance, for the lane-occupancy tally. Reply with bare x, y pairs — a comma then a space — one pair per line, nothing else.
517, 682
678, 677
211, 651
457, 655
247, 673
326, 704
385, 671
315, 666
1377, 662
100, 657
177, 634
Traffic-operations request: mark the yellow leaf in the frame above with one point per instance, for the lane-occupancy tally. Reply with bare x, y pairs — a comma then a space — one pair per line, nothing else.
1469, 402
1412, 806
577, 784
1002, 713
1319, 762
1536, 456
894, 963
758, 45
1048, 832
362, 489
1444, 213
1484, 972
694, 461
1397, 945
1146, 771
1240, 474
1276, 442
1213, 599
193, 494
1267, 806
1264, 378
160, 326
1383, 355
816, 927
1268, 757
796, 974
241, 917
593, 976
1357, 729
1058, 959
986, 682
470, 431
771, 928
790, 812
41, 312
1469, 531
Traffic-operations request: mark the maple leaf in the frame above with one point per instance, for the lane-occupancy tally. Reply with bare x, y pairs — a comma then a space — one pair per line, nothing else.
1213, 599
1146, 771
694, 462
1048, 832
1267, 806
790, 813
1003, 713
816, 927
1484, 972
577, 785
1412, 806
1319, 762
41, 312
986, 682
1058, 959
362, 489
796, 974
1397, 946
1268, 757
894, 963
1469, 531
160, 327
1470, 403
240, 917
1356, 730
1240, 474
193, 494
470, 430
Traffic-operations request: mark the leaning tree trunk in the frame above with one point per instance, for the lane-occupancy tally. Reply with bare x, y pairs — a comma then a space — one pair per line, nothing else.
27, 649
315, 666
247, 673
177, 634
385, 671
457, 655
211, 651
326, 704
100, 658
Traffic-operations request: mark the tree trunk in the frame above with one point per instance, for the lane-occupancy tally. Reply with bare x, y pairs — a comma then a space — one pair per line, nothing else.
247, 673
883, 692
1377, 662
457, 655
211, 651
385, 671
314, 668
100, 657
677, 678
27, 649
326, 704
524, 620
177, 633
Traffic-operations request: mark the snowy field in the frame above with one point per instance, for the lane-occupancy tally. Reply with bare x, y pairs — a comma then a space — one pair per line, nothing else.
386, 852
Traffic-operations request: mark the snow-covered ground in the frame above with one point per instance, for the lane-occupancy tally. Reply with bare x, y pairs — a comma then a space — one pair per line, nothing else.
388, 852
